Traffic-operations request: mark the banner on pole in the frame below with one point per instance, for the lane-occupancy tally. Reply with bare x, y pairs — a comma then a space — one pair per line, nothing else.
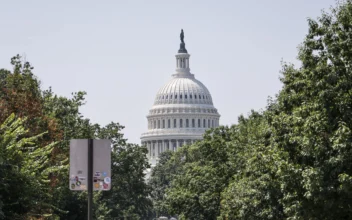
101, 165
78, 179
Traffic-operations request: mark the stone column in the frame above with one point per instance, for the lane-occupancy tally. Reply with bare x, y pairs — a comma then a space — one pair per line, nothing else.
159, 148
149, 149
155, 143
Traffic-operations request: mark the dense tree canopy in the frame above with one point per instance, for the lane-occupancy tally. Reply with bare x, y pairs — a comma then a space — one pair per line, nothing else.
24, 170
37, 126
291, 161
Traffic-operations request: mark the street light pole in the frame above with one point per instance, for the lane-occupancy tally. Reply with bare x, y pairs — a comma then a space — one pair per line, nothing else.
90, 179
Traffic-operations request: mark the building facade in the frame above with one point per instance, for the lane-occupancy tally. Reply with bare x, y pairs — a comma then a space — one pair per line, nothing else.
183, 109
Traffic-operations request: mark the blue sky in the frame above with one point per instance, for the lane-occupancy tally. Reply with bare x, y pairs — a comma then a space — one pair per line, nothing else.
122, 52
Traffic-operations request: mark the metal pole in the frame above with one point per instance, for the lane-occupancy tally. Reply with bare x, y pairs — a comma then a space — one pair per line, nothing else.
90, 179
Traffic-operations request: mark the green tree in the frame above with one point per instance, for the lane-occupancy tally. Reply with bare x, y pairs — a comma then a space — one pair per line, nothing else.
129, 194
254, 190
72, 125
313, 121
24, 172
195, 193
21, 94
160, 180
59, 120
310, 133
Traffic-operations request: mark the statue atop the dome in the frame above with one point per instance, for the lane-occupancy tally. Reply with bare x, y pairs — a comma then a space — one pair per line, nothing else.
182, 36
182, 45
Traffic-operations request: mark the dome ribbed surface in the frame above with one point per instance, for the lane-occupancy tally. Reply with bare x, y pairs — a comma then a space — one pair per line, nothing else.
183, 90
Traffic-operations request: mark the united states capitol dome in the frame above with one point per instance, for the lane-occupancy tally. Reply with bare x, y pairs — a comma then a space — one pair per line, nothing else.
184, 89
182, 111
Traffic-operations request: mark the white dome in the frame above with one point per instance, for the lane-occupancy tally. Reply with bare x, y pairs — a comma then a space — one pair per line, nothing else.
186, 90
182, 111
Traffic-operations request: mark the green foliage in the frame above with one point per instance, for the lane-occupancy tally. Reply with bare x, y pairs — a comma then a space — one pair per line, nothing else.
58, 120
313, 120
294, 160
129, 194
20, 93
254, 191
24, 170
195, 193
291, 161
160, 180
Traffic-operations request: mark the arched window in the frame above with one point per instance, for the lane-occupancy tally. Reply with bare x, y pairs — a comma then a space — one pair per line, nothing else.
200, 97
170, 96
208, 123
180, 96
212, 123
167, 96
187, 123
154, 124
181, 123
175, 96
158, 123
185, 96
204, 124
190, 96
195, 96
163, 123
168, 123
175, 124
193, 123
199, 123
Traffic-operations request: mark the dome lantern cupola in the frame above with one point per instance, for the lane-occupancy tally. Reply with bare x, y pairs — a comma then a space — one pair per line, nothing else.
182, 60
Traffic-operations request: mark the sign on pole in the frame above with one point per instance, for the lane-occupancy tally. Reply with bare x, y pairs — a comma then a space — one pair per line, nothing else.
79, 164
90, 167
102, 165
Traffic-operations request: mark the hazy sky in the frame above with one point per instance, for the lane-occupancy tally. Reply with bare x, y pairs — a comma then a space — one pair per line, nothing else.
122, 52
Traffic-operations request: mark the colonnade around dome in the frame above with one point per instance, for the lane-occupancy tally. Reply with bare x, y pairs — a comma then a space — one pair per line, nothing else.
183, 122
156, 147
